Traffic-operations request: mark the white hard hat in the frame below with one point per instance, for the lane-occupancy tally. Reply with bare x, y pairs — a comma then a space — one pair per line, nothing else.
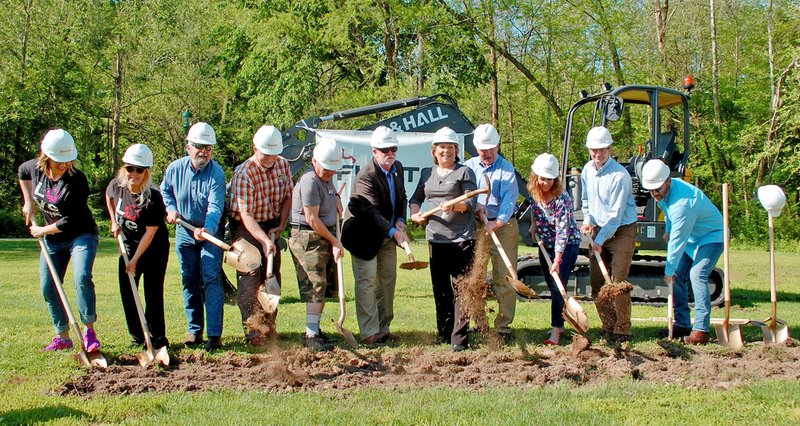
383, 137
598, 138
202, 133
772, 198
485, 137
59, 146
138, 155
327, 154
546, 166
445, 135
268, 140
654, 174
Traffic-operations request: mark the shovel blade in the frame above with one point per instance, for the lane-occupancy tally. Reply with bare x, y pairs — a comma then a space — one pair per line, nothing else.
162, 356
777, 334
272, 286
411, 265
243, 256
83, 358
96, 359
348, 336
268, 301
145, 358
729, 336
521, 288
576, 316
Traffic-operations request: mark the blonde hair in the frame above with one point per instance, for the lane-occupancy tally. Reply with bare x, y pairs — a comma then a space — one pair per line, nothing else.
536, 190
44, 165
144, 194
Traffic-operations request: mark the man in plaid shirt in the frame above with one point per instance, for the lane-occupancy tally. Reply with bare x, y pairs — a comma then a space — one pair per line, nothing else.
261, 200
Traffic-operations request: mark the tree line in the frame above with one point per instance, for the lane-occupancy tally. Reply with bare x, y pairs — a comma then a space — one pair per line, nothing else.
114, 73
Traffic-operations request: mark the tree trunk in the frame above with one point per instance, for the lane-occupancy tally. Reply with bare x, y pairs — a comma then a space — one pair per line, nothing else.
715, 71
771, 50
420, 62
390, 44
763, 174
117, 112
661, 12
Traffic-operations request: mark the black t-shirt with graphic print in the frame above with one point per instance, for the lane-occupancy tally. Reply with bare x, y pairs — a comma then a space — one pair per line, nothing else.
133, 219
63, 202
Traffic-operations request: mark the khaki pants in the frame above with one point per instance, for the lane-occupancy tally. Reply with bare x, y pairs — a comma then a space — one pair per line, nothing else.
617, 255
505, 294
375, 284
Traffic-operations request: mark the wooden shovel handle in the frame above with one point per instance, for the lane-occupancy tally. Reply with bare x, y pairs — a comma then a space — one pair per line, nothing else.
458, 199
136, 300
214, 240
726, 264
556, 277
599, 259
501, 250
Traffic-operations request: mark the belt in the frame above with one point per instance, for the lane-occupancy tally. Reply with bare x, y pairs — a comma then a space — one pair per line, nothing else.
305, 227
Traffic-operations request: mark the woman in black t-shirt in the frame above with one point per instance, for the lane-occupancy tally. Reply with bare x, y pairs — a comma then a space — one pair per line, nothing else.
137, 211
60, 191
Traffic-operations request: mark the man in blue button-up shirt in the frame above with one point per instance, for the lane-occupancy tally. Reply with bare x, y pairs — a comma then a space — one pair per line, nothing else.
609, 214
694, 233
194, 190
499, 207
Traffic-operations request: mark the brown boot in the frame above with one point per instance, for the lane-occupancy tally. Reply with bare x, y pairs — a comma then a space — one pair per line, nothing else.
697, 338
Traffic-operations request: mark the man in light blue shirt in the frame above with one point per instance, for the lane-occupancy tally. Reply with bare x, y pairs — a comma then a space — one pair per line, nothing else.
695, 242
499, 207
194, 190
609, 215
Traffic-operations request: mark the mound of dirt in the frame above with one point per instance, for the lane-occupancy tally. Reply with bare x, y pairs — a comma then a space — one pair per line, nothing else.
418, 367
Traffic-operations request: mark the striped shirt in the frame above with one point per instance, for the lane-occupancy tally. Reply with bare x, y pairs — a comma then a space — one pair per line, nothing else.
260, 191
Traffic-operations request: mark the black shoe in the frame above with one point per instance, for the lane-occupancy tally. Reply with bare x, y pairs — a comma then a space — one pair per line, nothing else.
459, 348
677, 332
316, 343
506, 337
136, 343
213, 343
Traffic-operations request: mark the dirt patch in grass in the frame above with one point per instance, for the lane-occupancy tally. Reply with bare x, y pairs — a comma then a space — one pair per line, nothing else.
282, 370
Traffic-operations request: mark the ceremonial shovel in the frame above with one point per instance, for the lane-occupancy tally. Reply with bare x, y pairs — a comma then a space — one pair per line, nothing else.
573, 311
148, 356
88, 359
269, 293
776, 331
348, 336
242, 255
728, 332
412, 263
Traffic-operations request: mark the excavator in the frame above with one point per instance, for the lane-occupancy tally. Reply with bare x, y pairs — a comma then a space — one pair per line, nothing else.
646, 121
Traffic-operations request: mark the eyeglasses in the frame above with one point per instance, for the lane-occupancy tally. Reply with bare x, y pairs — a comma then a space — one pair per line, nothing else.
135, 169
201, 146
387, 150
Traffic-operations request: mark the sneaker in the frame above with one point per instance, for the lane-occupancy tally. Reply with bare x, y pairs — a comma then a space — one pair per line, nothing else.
58, 344
459, 348
316, 343
213, 343
90, 340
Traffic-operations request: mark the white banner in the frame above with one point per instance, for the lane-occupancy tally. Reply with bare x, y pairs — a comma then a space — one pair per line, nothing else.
413, 151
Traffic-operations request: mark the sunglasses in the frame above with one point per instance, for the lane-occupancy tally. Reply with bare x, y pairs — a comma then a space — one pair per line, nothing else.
387, 150
660, 189
135, 169
201, 146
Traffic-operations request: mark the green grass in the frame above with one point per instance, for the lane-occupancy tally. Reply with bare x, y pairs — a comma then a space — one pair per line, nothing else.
29, 379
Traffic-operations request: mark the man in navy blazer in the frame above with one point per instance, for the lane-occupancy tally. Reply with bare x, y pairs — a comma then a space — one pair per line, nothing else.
377, 226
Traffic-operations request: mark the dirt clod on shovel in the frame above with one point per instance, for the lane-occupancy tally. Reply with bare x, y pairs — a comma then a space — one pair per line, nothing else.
262, 322
579, 344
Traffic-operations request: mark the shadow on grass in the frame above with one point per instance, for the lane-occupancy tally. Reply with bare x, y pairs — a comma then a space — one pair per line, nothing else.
746, 298
41, 414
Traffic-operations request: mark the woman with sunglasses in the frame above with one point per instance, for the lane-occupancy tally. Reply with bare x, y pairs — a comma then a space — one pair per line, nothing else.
552, 221
61, 191
137, 212
450, 233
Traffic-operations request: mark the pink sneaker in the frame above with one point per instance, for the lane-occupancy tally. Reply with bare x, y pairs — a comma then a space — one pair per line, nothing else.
90, 340
58, 344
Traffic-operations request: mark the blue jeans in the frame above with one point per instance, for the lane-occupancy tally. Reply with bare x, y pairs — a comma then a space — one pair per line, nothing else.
82, 249
201, 263
697, 271
564, 270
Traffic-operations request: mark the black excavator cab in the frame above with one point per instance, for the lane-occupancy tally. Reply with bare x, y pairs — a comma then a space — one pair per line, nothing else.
646, 122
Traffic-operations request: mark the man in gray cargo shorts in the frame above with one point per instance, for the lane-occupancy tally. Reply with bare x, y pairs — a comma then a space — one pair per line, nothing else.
315, 210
